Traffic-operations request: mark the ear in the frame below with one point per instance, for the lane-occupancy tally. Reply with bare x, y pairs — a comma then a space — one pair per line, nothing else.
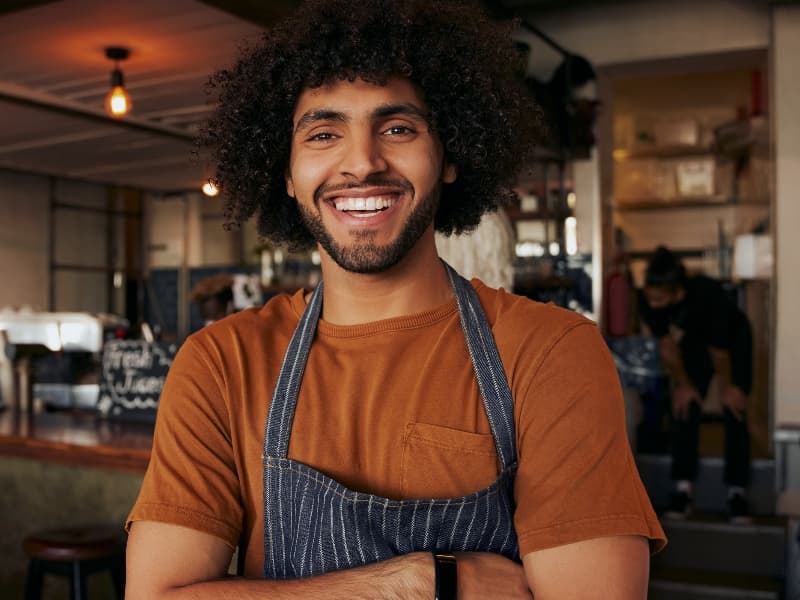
289, 183
449, 172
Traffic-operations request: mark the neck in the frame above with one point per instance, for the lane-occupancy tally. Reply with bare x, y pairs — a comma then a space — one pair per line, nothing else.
417, 283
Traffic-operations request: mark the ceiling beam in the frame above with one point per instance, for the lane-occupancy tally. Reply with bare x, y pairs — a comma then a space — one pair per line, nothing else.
47, 142
255, 11
10, 6
145, 164
26, 96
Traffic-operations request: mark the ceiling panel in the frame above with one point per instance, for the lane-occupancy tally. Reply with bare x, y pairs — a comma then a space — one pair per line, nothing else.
55, 68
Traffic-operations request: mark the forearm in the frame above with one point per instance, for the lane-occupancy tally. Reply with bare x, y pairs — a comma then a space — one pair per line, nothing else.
672, 361
721, 359
403, 577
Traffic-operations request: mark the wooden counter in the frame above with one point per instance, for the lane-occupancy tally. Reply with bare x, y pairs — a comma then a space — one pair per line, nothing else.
76, 438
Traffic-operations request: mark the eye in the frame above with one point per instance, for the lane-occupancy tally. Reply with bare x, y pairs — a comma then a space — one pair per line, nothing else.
399, 130
321, 136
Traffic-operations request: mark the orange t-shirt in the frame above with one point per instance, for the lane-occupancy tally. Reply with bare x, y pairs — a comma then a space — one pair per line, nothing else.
393, 408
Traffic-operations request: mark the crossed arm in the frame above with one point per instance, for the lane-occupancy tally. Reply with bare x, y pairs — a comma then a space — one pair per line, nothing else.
170, 562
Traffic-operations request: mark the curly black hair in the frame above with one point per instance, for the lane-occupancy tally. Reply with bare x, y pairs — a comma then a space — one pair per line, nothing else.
465, 64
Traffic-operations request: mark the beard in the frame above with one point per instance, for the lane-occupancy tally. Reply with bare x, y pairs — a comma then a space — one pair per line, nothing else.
364, 256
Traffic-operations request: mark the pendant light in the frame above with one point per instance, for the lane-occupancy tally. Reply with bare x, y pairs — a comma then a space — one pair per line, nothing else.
210, 188
118, 101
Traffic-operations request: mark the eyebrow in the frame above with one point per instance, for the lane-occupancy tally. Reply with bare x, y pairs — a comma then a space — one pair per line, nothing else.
313, 116
403, 108
381, 112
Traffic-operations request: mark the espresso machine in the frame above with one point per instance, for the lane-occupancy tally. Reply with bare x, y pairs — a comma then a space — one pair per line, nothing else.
27, 337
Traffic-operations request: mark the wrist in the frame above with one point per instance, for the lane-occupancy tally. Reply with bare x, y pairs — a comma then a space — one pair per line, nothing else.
419, 576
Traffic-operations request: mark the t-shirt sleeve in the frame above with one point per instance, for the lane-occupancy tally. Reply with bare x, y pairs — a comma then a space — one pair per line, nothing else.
577, 479
191, 478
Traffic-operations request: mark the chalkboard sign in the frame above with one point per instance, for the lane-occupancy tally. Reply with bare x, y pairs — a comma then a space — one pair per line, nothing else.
132, 375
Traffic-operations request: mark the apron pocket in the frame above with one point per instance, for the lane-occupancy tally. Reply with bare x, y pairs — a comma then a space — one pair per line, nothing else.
441, 462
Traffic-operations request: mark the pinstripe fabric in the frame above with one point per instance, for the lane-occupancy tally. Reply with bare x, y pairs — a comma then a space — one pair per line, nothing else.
313, 524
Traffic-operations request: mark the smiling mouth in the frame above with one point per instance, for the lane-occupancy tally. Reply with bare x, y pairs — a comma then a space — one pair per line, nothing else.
364, 206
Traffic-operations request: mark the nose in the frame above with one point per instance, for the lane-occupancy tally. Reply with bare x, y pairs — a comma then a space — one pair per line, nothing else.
362, 156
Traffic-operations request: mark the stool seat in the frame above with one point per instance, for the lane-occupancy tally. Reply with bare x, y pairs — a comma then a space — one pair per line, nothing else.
74, 543
75, 552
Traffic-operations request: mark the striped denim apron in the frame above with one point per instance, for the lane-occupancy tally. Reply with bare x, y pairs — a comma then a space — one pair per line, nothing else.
313, 524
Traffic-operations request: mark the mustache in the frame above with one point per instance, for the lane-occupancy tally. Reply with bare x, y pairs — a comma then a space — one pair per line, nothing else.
384, 182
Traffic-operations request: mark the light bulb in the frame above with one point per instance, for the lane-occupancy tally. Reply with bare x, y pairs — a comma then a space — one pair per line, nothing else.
572, 200
118, 102
210, 188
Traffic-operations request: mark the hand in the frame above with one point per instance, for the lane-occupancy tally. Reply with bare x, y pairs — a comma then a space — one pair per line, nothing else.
734, 400
683, 395
487, 575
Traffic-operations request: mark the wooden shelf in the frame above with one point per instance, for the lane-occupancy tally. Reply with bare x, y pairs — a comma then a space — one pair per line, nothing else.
681, 253
663, 203
664, 152
647, 204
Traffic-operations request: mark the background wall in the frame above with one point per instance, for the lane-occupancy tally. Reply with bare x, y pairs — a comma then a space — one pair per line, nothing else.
24, 239
786, 115
80, 239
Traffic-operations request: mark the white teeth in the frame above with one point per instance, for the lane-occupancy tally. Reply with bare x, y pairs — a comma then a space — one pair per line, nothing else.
370, 203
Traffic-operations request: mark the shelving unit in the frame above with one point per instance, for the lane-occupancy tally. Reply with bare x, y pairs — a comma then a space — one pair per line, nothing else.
549, 273
685, 171
708, 124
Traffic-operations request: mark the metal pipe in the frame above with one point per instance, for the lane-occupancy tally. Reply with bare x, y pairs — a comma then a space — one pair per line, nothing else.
546, 39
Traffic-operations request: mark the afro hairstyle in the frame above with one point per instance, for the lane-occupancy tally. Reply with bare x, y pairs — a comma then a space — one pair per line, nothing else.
466, 65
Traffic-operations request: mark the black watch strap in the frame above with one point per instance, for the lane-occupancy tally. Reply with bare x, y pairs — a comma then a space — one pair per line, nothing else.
446, 576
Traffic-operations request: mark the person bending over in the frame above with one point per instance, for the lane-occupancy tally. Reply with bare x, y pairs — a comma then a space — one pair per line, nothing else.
702, 334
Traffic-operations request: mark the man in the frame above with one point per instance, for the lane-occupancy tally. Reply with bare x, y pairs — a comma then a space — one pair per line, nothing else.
413, 435
702, 334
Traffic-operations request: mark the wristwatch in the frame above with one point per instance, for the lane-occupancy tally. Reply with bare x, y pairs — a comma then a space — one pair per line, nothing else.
446, 576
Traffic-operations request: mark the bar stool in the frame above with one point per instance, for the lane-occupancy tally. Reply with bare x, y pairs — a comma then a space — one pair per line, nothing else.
75, 553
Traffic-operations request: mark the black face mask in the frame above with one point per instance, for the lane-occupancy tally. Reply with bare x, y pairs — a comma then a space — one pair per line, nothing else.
662, 314
672, 313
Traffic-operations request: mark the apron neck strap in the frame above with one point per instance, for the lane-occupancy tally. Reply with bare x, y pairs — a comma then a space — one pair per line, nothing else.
492, 381
284, 397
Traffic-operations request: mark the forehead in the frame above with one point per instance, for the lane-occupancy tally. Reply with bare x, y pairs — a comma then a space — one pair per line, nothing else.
658, 294
358, 96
